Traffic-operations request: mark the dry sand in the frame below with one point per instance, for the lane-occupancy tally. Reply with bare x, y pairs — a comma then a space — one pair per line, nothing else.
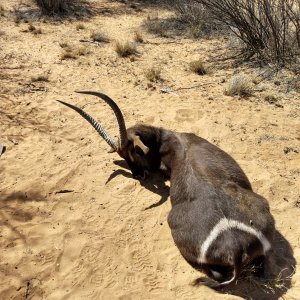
74, 223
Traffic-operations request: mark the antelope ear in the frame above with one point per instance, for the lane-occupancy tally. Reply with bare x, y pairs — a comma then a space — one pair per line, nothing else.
138, 143
2, 149
112, 150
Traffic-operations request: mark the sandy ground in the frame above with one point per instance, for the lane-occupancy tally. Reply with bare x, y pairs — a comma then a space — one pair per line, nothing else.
74, 223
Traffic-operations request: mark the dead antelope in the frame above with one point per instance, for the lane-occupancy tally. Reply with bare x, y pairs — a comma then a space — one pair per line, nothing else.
217, 222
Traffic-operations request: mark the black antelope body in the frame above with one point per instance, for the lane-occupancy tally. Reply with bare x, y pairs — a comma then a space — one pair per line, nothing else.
217, 222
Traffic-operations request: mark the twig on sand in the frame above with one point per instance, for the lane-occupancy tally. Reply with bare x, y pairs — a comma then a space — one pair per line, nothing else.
192, 87
90, 41
168, 90
64, 191
163, 43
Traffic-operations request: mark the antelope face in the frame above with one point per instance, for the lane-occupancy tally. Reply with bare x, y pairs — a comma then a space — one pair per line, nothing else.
137, 157
131, 148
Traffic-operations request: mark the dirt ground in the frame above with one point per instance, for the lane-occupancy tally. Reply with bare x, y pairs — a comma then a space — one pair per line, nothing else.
74, 223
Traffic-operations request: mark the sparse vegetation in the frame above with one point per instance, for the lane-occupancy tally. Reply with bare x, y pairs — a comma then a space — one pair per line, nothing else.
40, 78
153, 74
138, 37
239, 85
126, 49
100, 37
198, 67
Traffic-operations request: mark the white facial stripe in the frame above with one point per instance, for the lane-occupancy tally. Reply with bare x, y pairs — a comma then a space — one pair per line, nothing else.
226, 224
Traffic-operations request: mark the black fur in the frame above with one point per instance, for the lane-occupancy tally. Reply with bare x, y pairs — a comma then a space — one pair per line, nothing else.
206, 185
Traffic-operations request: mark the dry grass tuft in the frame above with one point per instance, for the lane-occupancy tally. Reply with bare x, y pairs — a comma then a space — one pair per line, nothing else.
270, 98
64, 45
270, 285
40, 78
138, 37
198, 67
70, 52
100, 37
33, 29
126, 49
153, 74
239, 85
68, 55
2, 11
80, 26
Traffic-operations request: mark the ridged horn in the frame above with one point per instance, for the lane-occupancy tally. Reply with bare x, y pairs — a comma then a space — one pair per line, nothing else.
117, 112
110, 141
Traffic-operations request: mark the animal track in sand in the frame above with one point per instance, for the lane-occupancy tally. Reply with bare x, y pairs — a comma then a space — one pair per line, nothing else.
97, 277
45, 257
110, 280
131, 279
141, 260
151, 282
91, 255
183, 292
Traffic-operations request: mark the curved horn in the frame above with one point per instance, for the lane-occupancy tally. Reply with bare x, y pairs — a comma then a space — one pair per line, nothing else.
117, 112
110, 141
137, 142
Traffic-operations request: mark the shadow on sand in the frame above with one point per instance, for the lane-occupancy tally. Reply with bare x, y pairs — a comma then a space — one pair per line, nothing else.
156, 183
13, 211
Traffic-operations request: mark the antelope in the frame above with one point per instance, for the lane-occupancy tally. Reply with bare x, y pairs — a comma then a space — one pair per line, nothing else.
218, 223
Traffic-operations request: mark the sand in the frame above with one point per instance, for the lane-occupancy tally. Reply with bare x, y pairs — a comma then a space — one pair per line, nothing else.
74, 223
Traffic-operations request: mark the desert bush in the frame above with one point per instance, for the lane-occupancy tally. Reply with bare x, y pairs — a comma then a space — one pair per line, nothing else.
126, 49
153, 74
200, 21
269, 29
53, 6
168, 27
239, 85
64, 7
198, 67
157, 26
100, 37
